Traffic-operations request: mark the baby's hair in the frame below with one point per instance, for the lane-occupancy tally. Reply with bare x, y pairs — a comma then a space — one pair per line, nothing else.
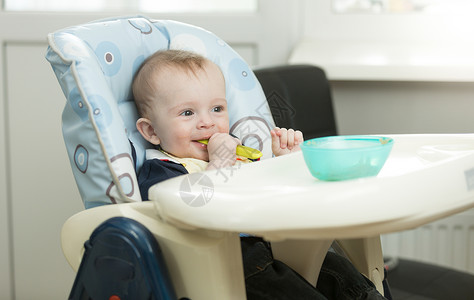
143, 87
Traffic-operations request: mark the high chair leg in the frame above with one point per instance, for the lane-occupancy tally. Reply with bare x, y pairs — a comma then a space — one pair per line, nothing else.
366, 255
303, 256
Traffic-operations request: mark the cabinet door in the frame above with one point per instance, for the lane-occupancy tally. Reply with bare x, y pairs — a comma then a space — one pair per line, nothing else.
43, 192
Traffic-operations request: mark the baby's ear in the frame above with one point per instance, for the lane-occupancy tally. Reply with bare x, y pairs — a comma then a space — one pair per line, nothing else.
146, 129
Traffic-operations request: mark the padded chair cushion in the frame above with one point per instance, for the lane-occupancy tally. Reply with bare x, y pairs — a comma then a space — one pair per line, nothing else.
95, 64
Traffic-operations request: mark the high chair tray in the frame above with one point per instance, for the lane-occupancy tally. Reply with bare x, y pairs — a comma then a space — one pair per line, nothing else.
426, 177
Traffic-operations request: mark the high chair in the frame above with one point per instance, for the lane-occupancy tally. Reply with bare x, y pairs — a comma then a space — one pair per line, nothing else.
95, 64
185, 242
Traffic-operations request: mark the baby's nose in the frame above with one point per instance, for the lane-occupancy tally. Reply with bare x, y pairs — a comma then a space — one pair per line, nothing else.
205, 121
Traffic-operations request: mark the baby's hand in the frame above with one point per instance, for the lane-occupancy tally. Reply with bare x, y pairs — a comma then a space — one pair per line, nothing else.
285, 141
221, 148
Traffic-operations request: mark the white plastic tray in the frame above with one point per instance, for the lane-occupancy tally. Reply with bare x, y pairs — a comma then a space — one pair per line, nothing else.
426, 177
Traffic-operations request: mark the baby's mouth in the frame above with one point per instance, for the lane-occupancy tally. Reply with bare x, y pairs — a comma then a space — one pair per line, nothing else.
203, 140
201, 143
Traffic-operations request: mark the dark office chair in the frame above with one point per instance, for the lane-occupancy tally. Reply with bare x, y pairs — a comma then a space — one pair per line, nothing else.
412, 280
300, 97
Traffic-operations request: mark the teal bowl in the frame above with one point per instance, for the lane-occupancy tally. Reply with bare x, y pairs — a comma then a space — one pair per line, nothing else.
338, 158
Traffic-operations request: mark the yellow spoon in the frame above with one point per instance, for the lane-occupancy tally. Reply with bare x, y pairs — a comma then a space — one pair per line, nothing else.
242, 151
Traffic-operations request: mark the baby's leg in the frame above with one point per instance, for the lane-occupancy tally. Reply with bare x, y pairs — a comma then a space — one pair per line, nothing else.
266, 278
339, 279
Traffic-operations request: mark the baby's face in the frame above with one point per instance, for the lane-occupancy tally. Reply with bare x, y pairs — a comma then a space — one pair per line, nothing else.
190, 108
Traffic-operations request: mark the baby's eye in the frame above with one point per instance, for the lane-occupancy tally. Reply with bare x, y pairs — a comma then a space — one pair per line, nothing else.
187, 113
218, 109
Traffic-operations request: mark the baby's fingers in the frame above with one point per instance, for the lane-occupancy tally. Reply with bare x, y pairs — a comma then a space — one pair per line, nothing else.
298, 137
275, 133
283, 133
291, 141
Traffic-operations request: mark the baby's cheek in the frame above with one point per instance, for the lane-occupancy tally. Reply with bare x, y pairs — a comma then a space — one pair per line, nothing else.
223, 128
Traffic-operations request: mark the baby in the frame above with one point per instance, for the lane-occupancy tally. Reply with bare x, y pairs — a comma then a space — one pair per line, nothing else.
180, 97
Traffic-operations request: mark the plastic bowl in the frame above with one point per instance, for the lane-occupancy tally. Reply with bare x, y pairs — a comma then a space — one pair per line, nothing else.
346, 157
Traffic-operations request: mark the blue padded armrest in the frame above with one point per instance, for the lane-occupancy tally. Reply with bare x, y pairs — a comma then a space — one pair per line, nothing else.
95, 64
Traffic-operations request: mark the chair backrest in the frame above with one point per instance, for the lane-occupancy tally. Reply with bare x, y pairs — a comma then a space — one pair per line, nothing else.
95, 64
299, 97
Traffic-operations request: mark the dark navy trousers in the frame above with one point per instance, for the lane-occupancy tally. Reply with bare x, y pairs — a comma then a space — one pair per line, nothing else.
267, 278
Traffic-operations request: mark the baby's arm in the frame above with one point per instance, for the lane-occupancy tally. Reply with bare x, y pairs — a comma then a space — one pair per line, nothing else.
221, 148
285, 141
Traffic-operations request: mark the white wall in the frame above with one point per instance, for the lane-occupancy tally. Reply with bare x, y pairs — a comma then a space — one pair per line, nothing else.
403, 107
394, 106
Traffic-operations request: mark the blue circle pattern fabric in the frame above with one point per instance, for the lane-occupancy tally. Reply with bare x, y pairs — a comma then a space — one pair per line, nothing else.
95, 64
